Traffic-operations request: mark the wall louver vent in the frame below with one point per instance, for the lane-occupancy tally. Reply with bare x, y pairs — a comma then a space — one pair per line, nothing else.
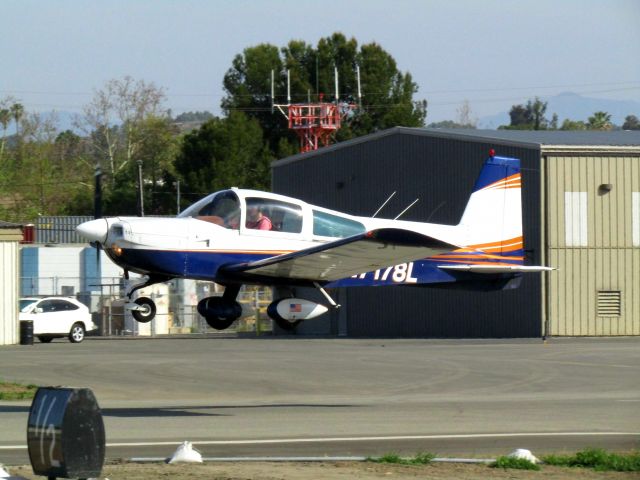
609, 303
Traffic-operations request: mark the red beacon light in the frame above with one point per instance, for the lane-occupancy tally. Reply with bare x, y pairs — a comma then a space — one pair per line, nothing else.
492, 153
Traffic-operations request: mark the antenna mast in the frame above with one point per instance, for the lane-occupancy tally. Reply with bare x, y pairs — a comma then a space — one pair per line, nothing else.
313, 122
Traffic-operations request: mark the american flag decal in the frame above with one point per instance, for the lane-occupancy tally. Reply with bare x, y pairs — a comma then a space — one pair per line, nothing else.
295, 308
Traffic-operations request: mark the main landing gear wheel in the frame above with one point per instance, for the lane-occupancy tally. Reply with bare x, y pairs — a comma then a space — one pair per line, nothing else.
219, 324
147, 311
220, 313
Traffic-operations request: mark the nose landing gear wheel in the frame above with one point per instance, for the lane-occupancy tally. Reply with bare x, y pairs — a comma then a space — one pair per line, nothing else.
147, 312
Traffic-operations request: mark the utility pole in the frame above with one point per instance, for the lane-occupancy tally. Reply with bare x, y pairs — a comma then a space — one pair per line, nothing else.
178, 197
97, 193
140, 191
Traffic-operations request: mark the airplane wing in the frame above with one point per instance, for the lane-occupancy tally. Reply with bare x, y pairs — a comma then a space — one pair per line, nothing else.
345, 257
496, 268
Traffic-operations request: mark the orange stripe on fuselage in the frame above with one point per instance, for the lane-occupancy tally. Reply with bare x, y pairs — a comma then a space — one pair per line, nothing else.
477, 257
506, 245
493, 264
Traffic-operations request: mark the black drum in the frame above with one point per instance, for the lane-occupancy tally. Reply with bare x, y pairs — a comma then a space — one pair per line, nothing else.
26, 332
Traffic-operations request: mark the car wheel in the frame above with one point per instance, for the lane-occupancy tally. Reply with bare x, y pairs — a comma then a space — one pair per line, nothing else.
76, 335
45, 339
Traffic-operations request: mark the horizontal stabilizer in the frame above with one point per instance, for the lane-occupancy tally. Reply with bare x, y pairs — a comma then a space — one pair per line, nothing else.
345, 257
496, 268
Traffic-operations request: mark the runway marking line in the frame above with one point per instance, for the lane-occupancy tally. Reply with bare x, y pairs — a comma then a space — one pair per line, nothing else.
357, 439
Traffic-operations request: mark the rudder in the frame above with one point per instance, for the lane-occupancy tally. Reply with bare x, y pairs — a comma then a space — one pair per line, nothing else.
492, 220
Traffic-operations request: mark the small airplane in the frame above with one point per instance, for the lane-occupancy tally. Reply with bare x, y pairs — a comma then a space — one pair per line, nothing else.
238, 236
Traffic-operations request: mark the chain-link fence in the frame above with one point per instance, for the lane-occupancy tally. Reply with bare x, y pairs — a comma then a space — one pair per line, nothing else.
176, 302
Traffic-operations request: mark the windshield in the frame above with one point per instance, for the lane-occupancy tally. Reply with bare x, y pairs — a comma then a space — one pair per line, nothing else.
222, 208
25, 302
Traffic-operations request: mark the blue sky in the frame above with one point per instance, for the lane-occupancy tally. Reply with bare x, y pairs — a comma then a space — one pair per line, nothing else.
493, 53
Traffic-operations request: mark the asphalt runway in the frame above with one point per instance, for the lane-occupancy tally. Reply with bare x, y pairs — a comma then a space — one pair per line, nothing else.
302, 397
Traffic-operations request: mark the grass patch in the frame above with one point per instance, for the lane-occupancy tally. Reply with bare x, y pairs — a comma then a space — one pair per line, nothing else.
419, 459
515, 463
16, 391
598, 459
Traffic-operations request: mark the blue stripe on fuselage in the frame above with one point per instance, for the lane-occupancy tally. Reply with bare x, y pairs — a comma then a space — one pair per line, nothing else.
199, 264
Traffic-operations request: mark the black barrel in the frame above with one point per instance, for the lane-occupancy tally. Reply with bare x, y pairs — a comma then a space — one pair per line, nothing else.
65, 433
26, 332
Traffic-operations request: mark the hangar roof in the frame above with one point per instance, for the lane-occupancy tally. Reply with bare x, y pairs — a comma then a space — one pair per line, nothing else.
543, 140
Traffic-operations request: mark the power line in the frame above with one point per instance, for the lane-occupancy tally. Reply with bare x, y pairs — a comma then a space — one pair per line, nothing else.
304, 94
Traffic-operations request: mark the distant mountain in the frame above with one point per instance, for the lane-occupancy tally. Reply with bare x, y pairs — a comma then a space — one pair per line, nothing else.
573, 106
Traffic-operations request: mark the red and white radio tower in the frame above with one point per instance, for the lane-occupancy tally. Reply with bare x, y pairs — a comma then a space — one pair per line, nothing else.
315, 123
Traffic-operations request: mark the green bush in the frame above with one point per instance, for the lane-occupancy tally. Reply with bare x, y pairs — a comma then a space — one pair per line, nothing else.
515, 463
420, 459
598, 459
16, 391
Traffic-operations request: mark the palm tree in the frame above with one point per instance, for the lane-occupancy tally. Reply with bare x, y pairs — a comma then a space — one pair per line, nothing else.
600, 121
17, 112
5, 118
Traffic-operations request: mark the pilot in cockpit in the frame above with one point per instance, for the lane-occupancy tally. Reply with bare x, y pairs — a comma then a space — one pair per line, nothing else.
256, 219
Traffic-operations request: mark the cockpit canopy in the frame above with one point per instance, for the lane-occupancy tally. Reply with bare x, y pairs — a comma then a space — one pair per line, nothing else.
228, 210
247, 209
221, 208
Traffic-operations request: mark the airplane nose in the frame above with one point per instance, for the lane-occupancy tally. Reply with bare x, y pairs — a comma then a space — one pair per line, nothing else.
94, 230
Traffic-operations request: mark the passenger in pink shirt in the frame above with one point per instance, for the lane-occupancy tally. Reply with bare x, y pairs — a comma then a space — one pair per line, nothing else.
256, 220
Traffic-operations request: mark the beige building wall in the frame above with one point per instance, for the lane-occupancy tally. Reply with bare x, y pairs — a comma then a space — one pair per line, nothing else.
593, 234
9, 275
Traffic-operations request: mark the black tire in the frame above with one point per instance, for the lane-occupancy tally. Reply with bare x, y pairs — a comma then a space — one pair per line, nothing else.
287, 325
45, 339
144, 316
77, 333
218, 312
218, 323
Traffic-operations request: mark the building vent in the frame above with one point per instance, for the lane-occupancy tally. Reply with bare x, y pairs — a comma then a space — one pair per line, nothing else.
609, 303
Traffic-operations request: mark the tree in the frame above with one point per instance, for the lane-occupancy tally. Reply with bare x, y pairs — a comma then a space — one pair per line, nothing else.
17, 112
193, 116
600, 121
528, 117
568, 124
221, 153
113, 121
465, 117
387, 93
631, 122
519, 116
5, 118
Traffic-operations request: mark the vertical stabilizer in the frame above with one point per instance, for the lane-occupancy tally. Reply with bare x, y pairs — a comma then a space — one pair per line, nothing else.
492, 220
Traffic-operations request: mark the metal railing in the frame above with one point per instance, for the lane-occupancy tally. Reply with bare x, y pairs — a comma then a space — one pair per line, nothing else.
176, 306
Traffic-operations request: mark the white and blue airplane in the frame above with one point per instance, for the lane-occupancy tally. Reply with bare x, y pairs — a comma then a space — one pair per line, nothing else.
238, 236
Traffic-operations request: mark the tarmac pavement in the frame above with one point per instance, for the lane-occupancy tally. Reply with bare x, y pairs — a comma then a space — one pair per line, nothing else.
295, 397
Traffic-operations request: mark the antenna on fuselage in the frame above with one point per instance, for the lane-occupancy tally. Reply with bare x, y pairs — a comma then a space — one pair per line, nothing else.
404, 211
382, 206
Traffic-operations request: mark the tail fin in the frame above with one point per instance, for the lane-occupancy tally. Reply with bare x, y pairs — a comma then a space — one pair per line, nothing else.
492, 220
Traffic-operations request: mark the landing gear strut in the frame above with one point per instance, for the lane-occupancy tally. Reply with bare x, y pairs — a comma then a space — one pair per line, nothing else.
221, 312
143, 309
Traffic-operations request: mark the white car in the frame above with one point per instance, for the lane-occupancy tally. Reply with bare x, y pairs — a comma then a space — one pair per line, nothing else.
56, 317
